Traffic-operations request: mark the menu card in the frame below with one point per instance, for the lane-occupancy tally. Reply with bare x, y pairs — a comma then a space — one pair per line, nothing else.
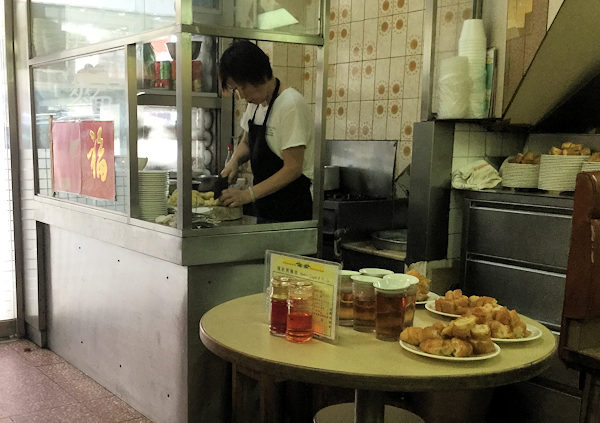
324, 276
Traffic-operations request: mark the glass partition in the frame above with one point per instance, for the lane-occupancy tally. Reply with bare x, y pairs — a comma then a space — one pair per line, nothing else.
284, 16
58, 25
85, 89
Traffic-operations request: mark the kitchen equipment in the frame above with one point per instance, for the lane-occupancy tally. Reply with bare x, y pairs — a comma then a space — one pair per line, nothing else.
205, 182
390, 239
331, 178
220, 184
172, 47
348, 217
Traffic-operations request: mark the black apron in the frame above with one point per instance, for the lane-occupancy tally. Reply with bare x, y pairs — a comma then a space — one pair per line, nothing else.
293, 201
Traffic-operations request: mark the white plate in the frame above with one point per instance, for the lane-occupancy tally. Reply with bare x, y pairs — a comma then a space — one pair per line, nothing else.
415, 350
430, 305
431, 296
535, 334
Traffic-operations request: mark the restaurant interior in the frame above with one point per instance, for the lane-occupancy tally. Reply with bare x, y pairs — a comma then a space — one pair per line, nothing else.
456, 154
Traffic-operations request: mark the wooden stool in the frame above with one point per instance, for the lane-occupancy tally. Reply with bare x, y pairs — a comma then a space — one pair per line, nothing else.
344, 413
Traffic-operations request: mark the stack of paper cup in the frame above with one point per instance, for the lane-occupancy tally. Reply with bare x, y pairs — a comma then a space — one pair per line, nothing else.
454, 88
472, 45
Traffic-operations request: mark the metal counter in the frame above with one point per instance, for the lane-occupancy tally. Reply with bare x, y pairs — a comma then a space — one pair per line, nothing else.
124, 298
222, 244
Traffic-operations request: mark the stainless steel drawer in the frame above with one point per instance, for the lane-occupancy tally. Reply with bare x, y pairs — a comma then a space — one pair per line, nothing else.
534, 293
535, 236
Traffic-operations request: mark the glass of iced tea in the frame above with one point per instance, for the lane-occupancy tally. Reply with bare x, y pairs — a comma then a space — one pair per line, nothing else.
392, 302
346, 298
299, 318
364, 303
411, 301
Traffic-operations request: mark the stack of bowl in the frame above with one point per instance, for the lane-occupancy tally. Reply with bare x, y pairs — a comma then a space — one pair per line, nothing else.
559, 173
519, 175
590, 166
454, 86
152, 186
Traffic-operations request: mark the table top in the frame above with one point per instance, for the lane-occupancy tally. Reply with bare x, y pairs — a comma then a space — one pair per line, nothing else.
238, 332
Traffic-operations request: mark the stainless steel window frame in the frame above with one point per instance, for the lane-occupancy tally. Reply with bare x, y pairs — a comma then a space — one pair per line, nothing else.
15, 164
184, 30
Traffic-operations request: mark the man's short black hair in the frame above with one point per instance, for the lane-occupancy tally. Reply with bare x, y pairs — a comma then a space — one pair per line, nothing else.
245, 63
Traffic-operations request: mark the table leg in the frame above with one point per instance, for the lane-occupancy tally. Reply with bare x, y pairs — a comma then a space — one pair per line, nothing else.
590, 404
368, 406
246, 387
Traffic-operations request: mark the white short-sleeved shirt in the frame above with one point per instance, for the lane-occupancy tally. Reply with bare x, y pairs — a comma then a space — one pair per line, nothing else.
290, 125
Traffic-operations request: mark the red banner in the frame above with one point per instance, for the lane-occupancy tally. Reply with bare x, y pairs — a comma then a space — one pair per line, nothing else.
83, 158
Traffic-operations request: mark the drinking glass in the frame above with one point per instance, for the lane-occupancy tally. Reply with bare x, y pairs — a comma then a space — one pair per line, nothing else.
364, 303
279, 308
346, 298
299, 319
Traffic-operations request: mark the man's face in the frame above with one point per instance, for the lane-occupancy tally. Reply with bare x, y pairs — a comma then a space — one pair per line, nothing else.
256, 94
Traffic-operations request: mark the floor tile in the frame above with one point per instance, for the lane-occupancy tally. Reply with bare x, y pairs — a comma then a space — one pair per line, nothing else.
21, 345
33, 398
112, 410
84, 389
61, 372
11, 360
41, 357
14, 377
36, 385
74, 413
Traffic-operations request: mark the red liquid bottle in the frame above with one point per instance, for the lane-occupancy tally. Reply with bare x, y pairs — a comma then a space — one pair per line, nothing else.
279, 308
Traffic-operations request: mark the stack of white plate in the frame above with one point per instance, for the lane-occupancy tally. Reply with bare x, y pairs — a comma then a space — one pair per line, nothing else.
559, 173
590, 166
519, 175
153, 193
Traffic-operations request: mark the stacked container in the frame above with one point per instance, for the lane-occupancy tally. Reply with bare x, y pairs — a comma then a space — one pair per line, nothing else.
472, 44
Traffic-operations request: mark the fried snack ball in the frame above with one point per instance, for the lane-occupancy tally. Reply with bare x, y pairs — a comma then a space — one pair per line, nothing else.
412, 335
484, 346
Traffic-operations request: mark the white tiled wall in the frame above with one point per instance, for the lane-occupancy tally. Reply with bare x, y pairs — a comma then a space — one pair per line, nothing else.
7, 249
474, 142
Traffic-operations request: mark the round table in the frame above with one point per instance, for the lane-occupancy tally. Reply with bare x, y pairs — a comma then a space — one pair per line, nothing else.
238, 332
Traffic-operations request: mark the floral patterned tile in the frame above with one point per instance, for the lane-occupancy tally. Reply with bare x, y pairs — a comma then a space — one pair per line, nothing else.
112, 410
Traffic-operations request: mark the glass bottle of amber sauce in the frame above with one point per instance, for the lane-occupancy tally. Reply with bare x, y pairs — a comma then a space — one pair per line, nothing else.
279, 307
299, 320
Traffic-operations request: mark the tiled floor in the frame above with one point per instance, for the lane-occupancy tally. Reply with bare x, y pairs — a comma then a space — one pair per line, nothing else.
38, 386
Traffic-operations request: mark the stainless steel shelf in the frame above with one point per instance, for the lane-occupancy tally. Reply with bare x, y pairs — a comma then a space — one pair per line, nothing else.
163, 97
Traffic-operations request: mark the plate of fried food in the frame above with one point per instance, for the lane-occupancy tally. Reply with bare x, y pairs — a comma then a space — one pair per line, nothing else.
430, 305
460, 340
531, 333
505, 325
431, 297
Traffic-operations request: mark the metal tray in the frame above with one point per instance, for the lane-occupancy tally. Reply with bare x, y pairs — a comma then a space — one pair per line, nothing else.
394, 239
